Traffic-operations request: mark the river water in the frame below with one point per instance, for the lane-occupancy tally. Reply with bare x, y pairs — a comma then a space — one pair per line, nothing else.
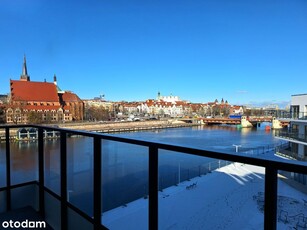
124, 173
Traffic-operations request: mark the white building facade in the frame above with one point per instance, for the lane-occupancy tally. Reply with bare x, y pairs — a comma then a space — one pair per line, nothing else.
297, 131
296, 135
298, 125
299, 106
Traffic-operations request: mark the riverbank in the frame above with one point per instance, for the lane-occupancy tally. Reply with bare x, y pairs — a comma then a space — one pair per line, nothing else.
127, 126
112, 127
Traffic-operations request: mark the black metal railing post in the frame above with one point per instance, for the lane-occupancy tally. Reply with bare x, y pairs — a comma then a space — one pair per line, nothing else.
8, 169
270, 202
153, 188
63, 169
41, 169
97, 183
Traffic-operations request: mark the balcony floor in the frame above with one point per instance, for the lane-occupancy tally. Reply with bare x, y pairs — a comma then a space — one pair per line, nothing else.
229, 198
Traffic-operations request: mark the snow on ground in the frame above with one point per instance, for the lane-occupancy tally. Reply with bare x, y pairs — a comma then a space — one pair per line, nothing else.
228, 198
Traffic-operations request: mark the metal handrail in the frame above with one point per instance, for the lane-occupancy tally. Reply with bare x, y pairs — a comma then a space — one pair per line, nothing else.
291, 155
292, 115
264, 149
271, 168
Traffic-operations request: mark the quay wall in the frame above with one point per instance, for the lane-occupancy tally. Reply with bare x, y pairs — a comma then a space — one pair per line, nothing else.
126, 126
111, 127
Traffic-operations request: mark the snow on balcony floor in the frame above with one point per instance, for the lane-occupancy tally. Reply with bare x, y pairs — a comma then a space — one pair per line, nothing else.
228, 198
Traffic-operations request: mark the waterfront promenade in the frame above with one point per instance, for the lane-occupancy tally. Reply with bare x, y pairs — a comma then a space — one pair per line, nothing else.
109, 127
112, 127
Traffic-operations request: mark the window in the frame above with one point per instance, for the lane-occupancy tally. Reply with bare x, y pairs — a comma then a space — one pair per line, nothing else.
295, 109
294, 147
294, 128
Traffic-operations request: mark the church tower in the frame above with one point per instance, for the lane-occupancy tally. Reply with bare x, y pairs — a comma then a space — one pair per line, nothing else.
159, 96
24, 76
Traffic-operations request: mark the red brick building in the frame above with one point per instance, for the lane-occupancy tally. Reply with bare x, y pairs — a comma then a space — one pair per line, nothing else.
30, 102
73, 106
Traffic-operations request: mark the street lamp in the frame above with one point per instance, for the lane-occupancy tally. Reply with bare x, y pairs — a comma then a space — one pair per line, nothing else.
237, 147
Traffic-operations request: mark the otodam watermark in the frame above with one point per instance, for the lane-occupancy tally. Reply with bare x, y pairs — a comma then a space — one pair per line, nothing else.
24, 224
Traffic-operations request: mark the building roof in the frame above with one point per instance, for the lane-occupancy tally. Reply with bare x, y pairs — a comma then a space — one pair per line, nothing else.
302, 94
70, 97
33, 91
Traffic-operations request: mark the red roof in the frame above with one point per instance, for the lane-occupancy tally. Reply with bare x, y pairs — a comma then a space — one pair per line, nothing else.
33, 91
71, 97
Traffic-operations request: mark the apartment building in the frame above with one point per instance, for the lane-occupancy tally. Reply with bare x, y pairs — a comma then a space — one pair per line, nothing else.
298, 125
296, 134
297, 131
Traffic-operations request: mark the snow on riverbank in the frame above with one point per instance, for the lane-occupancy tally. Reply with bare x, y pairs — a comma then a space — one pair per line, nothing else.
228, 198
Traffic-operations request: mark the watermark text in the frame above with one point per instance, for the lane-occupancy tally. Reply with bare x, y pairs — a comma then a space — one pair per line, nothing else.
23, 224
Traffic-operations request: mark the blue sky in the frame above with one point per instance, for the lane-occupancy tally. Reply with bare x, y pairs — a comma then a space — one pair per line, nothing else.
244, 51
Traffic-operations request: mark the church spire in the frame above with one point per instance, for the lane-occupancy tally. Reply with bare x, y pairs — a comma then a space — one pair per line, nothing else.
54, 80
24, 67
24, 76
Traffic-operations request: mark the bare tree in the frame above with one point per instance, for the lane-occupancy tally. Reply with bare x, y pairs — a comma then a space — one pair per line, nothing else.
2, 114
97, 113
35, 117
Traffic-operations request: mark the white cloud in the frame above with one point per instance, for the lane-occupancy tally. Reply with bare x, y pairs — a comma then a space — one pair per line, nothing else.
273, 103
242, 91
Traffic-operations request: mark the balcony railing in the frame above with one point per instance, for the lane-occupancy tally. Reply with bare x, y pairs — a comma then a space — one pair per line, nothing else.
292, 115
291, 155
95, 221
291, 135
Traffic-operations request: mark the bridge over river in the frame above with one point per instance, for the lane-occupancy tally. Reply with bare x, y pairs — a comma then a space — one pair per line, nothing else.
244, 121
